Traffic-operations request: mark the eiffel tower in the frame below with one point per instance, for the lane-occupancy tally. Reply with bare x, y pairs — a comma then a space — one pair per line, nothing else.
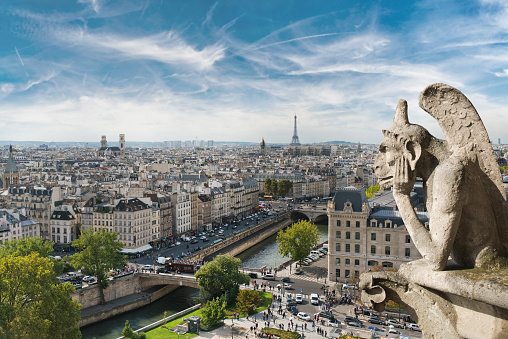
295, 141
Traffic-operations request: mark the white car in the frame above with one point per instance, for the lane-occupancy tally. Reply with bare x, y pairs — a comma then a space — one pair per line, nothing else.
314, 299
414, 327
286, 286
394, 323
393, 331
298, 298
304, 316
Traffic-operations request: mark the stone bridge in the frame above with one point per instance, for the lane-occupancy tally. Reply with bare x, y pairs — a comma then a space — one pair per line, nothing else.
312, 214
148, 280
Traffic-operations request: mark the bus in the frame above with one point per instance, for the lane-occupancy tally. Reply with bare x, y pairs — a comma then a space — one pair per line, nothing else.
181, 267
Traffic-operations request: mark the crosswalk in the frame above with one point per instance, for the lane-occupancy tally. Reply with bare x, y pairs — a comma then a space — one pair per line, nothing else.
303, 277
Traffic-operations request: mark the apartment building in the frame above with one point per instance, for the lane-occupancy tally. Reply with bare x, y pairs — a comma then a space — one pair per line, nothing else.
63, 225
360, 237
15, 224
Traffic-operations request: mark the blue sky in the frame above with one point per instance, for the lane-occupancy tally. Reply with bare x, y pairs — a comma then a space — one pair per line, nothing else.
240, 70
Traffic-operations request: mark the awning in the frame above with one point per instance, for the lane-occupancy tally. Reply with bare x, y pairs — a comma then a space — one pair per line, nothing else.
136, 250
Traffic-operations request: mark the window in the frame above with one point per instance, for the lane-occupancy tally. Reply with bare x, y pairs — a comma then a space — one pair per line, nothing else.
387, 264
337, 261
337, 273
338, 223
373, 236
372, 263
348, 248
337, 247
387, 237
408, 239
357, 224
372, 249
388, 224
347, 273
348, 235
357, 248
357, 262
348, 262
408, 252
373, 224
357, 235
337, 234
387, 250
348, 223
357, 274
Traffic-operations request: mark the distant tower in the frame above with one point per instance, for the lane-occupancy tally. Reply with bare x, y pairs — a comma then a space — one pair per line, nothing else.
262, 145
295, 141
11, 174
359, 148
104, 142
122, 143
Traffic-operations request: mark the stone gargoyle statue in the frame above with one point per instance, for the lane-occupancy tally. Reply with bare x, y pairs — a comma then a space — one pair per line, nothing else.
463, 188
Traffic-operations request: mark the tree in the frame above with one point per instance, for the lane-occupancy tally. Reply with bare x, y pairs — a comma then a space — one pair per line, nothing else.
298, 240
24, 247
268, 185
32, 302
129, 333
274, 187
247, 301
284, 186
221, 277
213, 313
100, 252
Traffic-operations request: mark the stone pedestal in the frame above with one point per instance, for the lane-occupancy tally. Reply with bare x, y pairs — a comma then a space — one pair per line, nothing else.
446, 304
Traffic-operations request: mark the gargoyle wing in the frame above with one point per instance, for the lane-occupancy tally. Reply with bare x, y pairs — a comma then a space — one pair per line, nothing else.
463, 129
467, 137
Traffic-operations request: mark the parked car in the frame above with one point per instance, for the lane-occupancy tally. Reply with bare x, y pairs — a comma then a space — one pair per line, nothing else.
349, 319
325, 314
354, 324
376, 329
376, 321
393, 331
304, 316
293, 310
414, 327
299, 271
334, 322
298, 298
336, 333
394, 323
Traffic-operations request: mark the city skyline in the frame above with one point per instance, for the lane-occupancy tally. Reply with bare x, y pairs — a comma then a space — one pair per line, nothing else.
158, 71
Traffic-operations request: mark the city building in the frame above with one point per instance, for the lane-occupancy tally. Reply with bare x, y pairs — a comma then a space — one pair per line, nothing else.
15, 224
361, 236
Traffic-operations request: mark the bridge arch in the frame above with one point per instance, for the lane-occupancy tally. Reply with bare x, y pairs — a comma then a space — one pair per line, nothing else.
298, 215
321, 217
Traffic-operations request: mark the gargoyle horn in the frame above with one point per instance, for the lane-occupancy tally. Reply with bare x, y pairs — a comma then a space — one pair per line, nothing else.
401, 119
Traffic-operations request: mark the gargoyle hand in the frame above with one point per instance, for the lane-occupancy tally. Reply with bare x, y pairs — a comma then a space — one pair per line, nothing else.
404, 178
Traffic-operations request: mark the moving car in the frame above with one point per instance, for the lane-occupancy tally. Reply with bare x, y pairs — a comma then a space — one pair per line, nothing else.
393, 331
304, 316
351, 319
314, 299
269, 276
285, 285
252, 275
354, 324
298, 298
325, 314
333, 322
336, 333
285, 279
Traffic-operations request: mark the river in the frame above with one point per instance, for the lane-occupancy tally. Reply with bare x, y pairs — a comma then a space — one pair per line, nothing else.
263, 253
172, 303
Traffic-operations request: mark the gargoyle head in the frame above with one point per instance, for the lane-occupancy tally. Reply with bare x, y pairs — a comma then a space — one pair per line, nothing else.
403, 139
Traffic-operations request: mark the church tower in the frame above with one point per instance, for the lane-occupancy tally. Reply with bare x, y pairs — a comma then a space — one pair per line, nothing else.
11, 175
104, 142
262, 146
122, 144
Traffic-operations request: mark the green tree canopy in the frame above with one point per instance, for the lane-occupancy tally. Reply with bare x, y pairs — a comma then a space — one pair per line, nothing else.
284, 186
100, 252
32, 303
129, 333
24, 247
268, 185
298, 240
221, 276
213, 313
247, 301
